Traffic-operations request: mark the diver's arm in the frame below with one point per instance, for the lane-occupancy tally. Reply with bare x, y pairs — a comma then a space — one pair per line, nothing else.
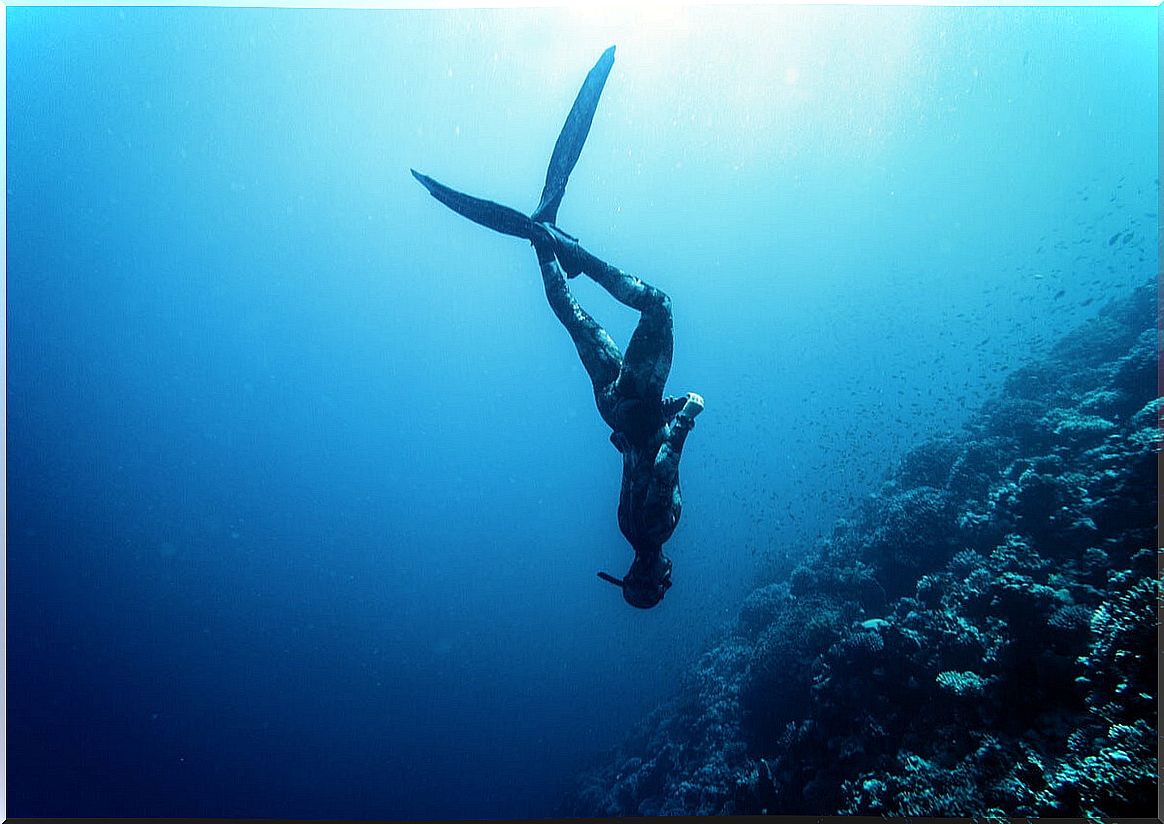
665, 472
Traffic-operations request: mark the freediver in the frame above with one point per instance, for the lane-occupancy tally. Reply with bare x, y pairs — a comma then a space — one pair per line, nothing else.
648, 429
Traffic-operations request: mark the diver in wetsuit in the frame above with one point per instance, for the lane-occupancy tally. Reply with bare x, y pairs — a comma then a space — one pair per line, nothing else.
648, 429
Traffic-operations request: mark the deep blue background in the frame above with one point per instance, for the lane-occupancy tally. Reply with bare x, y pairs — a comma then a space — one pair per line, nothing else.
306, 489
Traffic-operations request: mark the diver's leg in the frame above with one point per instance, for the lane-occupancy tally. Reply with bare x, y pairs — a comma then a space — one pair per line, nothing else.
626, 289
599, 353
647, 361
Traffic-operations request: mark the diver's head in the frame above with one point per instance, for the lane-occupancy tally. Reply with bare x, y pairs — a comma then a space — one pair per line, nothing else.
647, 581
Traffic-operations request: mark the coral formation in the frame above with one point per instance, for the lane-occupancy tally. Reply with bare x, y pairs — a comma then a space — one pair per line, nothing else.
978, 640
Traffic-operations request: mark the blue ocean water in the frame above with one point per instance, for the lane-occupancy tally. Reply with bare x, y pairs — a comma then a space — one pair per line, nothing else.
306, 486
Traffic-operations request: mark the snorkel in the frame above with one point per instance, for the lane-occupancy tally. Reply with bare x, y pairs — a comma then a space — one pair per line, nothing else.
610, 579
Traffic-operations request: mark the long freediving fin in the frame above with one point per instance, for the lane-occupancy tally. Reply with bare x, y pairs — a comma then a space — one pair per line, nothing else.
571, 139
566, 152
485, 212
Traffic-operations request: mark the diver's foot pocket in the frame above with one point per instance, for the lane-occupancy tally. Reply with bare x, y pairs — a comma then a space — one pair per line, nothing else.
568, 251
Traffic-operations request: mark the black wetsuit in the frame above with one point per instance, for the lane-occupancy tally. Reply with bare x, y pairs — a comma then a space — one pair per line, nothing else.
628, 389
651, 501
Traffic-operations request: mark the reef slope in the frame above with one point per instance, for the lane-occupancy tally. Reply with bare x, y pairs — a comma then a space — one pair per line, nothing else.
978, 639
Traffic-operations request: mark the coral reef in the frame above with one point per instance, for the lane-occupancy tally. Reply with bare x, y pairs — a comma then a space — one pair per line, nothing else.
978, 640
